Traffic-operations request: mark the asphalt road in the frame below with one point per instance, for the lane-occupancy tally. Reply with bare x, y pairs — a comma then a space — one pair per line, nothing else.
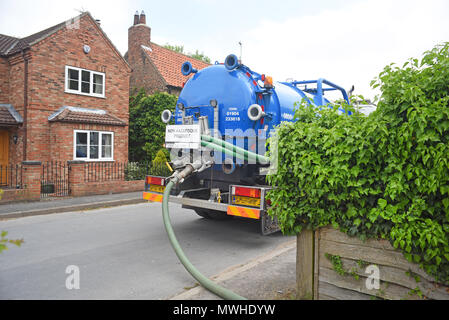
121, 252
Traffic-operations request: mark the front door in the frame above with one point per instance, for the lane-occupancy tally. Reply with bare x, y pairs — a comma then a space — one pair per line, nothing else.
4, 155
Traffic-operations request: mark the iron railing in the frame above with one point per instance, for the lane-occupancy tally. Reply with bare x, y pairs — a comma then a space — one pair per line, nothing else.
55, 179
124, 171
11, 176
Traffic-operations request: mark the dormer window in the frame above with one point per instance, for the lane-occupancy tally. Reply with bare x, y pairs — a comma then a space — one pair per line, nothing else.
85, 82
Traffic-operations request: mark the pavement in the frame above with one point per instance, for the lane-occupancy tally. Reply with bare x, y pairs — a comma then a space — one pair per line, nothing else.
67, 204
270, 276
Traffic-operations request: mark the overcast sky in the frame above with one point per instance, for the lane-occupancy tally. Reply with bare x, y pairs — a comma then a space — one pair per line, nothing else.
345, 41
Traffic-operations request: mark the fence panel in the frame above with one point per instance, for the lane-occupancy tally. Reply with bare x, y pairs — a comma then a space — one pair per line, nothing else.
11, 176
55, 179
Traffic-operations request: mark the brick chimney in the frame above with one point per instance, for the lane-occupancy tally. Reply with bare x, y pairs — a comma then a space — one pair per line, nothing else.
139, 34
136, 18
143, 18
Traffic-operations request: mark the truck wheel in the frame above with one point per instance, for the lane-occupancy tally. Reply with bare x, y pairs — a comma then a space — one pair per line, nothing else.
212, 214
202, 213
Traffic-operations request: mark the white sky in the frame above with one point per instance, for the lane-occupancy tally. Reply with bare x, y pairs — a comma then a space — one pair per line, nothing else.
345, 41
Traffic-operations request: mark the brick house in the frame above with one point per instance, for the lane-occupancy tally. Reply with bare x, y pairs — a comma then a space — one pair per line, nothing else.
154, 67
64, 95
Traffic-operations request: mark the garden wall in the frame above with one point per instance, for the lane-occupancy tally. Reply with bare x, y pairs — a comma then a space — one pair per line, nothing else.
106, 187
33, 180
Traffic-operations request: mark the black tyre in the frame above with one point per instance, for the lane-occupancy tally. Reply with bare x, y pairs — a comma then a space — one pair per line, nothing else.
212, 214
202, 213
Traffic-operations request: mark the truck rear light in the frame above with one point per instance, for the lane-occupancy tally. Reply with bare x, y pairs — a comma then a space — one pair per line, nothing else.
246, 192
155, 180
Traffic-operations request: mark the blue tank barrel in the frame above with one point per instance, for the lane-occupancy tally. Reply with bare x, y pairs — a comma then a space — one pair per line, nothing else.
241, 103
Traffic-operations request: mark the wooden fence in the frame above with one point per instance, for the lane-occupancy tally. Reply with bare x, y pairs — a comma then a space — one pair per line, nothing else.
346, 268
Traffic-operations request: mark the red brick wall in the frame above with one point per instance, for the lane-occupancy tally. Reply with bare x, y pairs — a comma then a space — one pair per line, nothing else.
31, 179
61, 139
12, 83
144, 73
106, 187
46, 90
4, 80
80, 187
16, 82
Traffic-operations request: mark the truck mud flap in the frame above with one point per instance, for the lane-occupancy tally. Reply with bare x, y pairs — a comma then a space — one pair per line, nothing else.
268, 225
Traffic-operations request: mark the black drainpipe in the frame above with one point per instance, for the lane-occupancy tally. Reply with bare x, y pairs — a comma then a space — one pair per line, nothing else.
25, 106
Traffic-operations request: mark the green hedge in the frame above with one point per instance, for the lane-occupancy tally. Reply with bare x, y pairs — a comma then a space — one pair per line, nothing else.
385, 175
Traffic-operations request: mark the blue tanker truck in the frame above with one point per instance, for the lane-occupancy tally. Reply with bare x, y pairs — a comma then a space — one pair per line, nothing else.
217, 139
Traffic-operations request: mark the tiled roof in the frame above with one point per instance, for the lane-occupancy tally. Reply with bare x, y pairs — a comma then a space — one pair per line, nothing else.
169, 62
83, 115
44, 33
7, 43
10, 45
9, 116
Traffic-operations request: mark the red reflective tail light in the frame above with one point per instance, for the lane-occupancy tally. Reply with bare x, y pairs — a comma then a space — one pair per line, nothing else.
155, 180
247, 192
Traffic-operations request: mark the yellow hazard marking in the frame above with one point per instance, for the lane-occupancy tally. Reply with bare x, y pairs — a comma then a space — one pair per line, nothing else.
243, 212
156, 188
246, 201
153, 197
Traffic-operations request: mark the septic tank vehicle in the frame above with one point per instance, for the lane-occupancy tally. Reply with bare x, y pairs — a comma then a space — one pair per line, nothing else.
217, 138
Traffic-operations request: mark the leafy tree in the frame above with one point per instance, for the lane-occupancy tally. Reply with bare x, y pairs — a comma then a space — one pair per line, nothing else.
146, 129
176, 48
200, 56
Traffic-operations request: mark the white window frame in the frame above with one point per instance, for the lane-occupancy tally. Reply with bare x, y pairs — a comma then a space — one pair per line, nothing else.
100, 134
92, 73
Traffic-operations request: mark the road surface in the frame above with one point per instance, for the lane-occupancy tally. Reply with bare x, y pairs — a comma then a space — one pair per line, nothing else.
121, 252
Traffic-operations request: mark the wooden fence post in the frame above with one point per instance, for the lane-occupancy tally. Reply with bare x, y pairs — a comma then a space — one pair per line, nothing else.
305, 265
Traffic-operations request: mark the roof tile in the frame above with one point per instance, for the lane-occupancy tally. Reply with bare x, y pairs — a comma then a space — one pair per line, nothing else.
75, 116
169, 63
7, 43
8, 116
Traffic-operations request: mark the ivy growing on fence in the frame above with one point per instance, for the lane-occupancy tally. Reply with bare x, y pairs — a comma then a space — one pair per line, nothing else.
385, 175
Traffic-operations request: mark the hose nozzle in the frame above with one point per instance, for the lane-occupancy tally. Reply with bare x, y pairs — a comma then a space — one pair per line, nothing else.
179, 176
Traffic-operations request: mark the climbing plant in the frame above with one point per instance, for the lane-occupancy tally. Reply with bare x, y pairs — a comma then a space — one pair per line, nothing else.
385, 175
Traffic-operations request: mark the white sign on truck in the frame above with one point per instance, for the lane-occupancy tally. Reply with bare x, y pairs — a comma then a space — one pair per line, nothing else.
186, 136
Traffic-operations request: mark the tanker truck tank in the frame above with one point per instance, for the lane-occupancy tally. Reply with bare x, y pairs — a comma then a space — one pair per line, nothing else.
223, 117
242, 107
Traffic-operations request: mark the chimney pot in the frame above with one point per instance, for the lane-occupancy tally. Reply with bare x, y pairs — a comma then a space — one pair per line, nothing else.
143, 19
136, 18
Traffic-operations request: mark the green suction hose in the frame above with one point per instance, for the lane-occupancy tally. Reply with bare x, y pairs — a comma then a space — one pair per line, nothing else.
229, 149
232, 150
204, 281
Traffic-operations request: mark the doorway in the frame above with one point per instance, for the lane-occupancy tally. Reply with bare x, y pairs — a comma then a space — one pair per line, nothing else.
4, 156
